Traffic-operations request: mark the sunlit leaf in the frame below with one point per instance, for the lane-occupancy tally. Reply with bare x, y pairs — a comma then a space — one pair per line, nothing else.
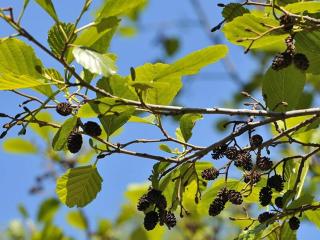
63, 133
19, 146
79, 186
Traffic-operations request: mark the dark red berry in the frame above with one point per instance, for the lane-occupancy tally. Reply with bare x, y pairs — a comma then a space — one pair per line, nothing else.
64, 108
256, 140
231, 153
170, 220
287, 22
216, 207
244, 160
235, 197
144, 203
210, 173
92, 128
265, 196
150, 220
279, 202
294, 223
74, 142
263, 217
281, 61
155, 196
264, 163
301, 61
276, 182
223, 195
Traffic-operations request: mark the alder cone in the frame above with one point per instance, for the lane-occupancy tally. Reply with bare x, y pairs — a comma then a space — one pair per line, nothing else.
74, 142
64, 108
150, 220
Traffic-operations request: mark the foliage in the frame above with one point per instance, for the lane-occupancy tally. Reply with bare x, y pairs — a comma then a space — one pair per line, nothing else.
183, 182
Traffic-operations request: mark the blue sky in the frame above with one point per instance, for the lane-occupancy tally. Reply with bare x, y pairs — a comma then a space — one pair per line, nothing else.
18, 172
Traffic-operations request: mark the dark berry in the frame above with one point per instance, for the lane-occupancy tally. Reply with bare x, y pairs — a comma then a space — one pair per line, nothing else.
244, 160
264, 163
170, 220
301, 61
281, 61
276, 182
263, 217
287, 22
92, 128
150, 220
210, 173
235, 197
252, 177
279, 202
64, 108
218, 152
231, 153
256, 140
223, 195
144, 203
155, 196
216, 207
74, 142
265, 196
294, 223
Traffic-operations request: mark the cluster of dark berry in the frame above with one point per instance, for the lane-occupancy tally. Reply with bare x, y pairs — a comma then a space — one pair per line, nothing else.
294, 222
284, 59
223, 196
74, 141
154, 205
265, 196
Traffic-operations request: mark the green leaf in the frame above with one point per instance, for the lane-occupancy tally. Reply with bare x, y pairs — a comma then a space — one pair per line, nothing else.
192, 63
113, 122
43, 131
48, 209
299, 7
95, 62
302, 200
19, 146
60, 34
79, 186
187, 123
252, 25
287, 233
63, 133
77, 220
19, 66
23, 211
49, 8
165, 148
313, 216
283, 86
233, 10
117, 86
98, 36
102, 107
119, 7
157, 170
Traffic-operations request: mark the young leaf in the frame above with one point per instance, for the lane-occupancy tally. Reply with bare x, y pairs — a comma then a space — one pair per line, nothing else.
49, 8
250, 25
233, 10
47, 210
194, 62
118, 7
79, 186
19, 146
77, 220
59, 35
314, 216
113, 122
187, 123
283, 86
19, 66
63, 133
95, 62
300, 7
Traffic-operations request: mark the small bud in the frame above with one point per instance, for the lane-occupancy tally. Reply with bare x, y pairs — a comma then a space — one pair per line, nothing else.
221, 5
